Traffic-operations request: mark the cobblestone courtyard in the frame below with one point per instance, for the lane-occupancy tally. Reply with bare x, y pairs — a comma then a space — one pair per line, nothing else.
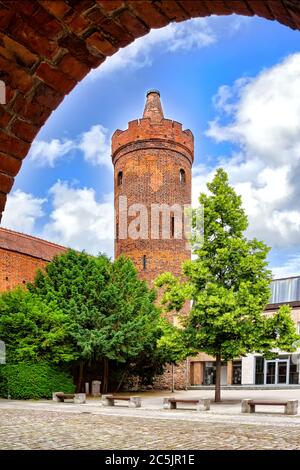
42, 429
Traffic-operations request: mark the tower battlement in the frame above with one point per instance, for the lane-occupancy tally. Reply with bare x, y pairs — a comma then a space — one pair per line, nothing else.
144, 129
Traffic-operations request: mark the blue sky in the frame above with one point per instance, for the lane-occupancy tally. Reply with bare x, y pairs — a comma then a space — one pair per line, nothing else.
234, 81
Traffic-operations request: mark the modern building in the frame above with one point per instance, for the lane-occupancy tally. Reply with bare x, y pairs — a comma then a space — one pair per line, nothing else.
255, 369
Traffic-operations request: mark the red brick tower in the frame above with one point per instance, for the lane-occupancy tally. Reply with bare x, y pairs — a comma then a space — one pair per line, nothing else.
152, 166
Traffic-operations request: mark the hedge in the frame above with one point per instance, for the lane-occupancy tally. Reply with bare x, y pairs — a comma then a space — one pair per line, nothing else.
24, 381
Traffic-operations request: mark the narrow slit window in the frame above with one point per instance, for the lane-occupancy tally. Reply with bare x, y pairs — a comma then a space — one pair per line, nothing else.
117, 231
120, 178
182, 176
172, 226
144, 262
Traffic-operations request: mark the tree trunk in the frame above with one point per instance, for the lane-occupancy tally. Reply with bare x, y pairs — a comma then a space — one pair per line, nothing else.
80, 376
124, 376
173, 379
218, 379
105, 376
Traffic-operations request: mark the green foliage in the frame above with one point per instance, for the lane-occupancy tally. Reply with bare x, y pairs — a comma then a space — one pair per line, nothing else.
171, 345
110, 311
111, 315
33, 381
228, 284
32, 329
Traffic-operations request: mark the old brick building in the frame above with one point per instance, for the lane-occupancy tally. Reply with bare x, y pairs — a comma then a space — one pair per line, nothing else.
21, 255
152, 179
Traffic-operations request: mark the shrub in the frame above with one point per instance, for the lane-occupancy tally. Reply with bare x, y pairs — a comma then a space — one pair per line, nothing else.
24, 381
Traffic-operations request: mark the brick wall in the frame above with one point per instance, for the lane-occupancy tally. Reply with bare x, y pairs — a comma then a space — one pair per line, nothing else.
21, 255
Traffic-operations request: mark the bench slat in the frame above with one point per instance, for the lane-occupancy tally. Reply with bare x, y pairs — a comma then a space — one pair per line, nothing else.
174, 400
267, 402
121, 398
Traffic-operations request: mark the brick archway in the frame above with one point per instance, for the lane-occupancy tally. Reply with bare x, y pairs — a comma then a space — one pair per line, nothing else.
48, 46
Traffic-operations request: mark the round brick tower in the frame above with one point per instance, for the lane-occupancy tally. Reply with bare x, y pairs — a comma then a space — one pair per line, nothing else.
152, 185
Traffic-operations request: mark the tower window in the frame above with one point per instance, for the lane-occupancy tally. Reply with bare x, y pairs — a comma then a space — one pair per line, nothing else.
120, 178
172, 226
117, 231
144, 262
182, 176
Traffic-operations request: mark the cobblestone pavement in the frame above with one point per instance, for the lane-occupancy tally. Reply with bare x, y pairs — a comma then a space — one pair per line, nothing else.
42, 429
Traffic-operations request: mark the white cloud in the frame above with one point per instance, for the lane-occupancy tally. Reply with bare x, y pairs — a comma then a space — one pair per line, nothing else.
196, 33
22, 211
262, 116
290, 268
192, 34
266, 119
94, 145
78, 220
48, 153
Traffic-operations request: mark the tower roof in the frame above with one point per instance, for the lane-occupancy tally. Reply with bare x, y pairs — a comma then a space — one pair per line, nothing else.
153, 109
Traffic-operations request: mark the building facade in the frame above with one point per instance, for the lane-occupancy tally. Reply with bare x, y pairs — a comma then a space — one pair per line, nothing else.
255, 369
20, 257
152, 187
152, 161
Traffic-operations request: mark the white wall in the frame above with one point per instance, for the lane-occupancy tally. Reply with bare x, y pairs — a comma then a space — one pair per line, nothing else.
248, 370
223, 375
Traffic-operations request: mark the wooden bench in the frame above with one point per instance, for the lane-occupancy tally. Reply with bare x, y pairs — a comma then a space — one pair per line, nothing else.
77, 398
290, 406
200, 403
133, 402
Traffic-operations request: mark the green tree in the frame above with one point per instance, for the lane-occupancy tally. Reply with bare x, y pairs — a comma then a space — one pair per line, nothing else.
228, 283
32, 330
111, 313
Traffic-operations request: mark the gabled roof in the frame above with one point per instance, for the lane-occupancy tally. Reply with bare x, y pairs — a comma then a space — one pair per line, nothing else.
28, 245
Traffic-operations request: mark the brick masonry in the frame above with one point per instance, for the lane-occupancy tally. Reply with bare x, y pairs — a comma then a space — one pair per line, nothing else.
47, 47
148, 159
21, 255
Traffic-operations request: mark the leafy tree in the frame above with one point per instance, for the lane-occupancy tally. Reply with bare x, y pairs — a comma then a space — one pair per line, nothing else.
111, 313
166, 347
228, 283
32, 330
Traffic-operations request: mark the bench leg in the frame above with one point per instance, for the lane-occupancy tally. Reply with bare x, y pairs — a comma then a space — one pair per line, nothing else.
79, 398
135, 402
56, 398
166, 404
291, 408
247, 407
107, 401
203, 405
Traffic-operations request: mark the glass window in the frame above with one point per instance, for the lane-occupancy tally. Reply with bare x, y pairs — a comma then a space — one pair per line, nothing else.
237, 372
294, 374
120, 178
259, 370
